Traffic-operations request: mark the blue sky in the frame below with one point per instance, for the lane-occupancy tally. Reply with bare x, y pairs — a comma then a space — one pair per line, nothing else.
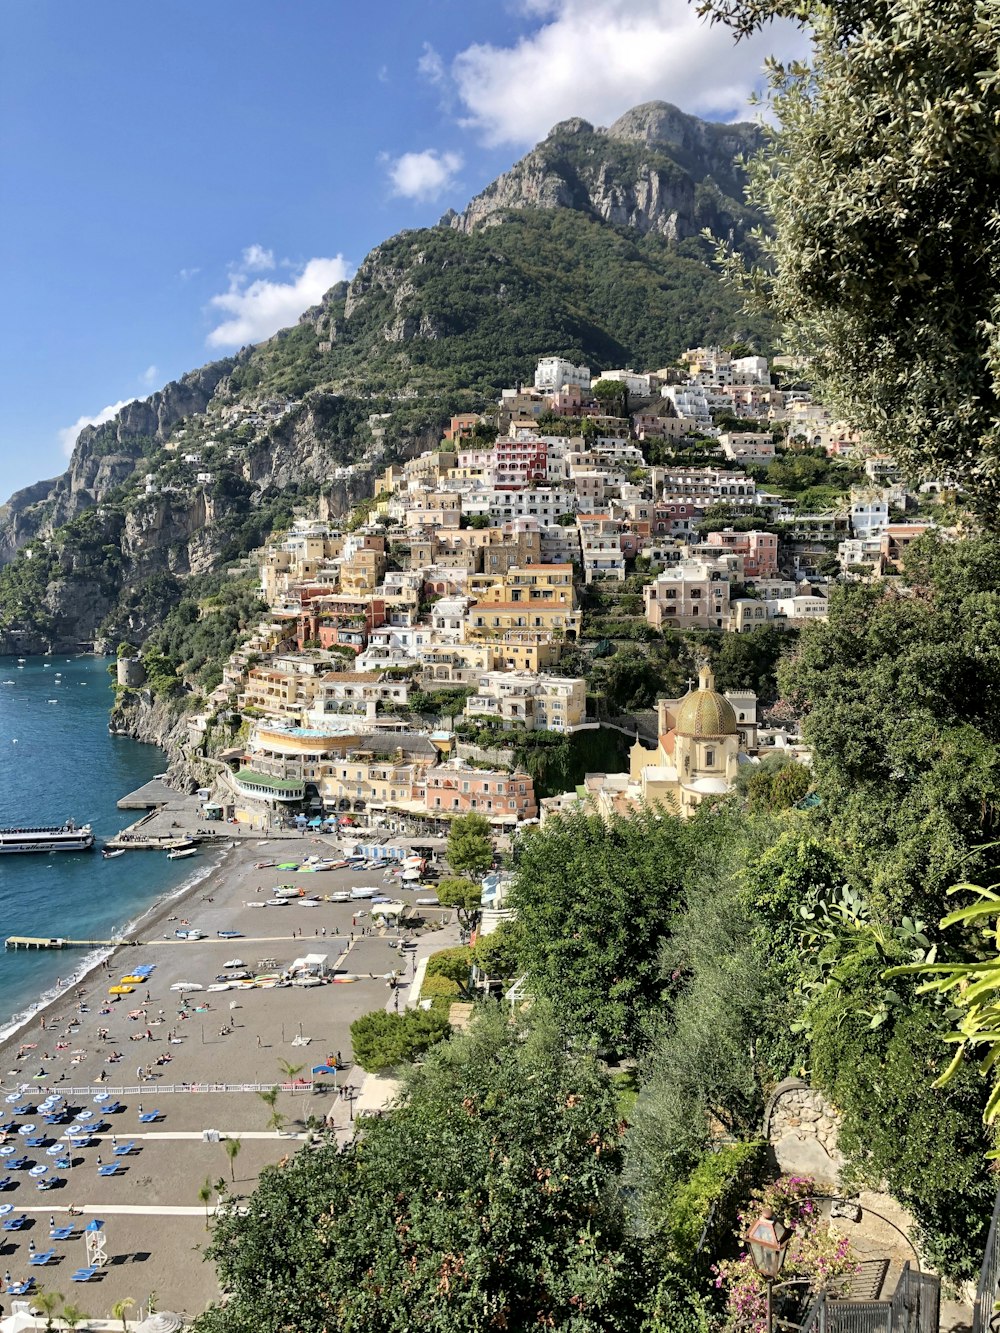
182, 177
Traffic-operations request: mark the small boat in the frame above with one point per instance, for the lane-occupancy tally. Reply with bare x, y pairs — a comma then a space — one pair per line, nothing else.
110, 855
180, 852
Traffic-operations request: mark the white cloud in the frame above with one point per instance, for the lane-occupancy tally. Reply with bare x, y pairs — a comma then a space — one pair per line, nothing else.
149, 375
257, 309
382, 73
68, 434
186, 274
597, 58
430, 66
424, 175
255, 259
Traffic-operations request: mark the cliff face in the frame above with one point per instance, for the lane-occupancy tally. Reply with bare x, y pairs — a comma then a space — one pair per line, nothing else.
104, 457
655, 169
156, 722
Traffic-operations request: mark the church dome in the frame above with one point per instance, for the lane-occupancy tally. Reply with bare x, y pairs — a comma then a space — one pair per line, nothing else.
705, 713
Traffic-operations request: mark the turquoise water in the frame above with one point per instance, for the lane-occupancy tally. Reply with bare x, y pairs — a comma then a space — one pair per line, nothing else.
58, 762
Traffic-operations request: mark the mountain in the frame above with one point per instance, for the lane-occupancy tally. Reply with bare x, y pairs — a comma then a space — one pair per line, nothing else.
589, 247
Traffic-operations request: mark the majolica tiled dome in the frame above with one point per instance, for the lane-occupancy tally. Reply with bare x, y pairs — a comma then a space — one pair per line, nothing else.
705, 713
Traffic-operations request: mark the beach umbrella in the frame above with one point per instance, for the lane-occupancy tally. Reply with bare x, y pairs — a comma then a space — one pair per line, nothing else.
324, 1069
161, 1322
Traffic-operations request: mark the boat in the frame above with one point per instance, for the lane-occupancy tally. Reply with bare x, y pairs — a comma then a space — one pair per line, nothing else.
110, 855
179, 852
68, 837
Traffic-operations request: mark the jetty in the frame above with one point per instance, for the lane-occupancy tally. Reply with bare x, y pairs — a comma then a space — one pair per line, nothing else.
48, 942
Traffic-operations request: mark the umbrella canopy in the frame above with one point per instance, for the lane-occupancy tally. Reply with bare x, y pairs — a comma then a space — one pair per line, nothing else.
161, 1322
324, 1069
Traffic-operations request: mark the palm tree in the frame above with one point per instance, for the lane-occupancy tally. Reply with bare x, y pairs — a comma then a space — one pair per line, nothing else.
72, 1316
120, 1309
48, 1302
269, 1097
205, 1195
233, 1147
291, 1072
276, 1122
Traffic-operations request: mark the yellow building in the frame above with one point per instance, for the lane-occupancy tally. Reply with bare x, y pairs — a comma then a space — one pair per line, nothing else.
697, 758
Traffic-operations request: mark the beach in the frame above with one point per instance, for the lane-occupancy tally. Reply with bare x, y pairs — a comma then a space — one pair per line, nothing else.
156, 1049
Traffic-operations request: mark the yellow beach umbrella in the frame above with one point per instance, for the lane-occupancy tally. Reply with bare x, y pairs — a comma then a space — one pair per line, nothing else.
120, 990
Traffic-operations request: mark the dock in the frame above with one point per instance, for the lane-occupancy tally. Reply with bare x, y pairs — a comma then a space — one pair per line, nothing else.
43, 942
150, 796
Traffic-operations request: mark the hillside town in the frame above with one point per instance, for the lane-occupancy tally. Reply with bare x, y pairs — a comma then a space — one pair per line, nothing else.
409, 648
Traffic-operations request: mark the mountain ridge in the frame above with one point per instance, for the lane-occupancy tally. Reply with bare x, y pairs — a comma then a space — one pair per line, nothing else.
435, 320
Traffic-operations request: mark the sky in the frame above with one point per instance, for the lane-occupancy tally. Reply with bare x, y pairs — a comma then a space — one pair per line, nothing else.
180, 178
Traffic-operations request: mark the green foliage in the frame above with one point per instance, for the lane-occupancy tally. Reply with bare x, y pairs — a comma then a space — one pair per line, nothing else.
439, 703
777, 783
508, 1219
900, 702
470, 847
201, 631
496, 954
889, 278
708, 1198
451, 963
593, 903
383, 1041
928, 1147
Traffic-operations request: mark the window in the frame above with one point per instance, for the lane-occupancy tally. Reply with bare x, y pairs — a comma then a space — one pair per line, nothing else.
709, 758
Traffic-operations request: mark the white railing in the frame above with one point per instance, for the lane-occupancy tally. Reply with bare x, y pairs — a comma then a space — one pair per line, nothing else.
149, 1091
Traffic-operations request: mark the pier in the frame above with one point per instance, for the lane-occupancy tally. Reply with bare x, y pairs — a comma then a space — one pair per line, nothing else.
47, 942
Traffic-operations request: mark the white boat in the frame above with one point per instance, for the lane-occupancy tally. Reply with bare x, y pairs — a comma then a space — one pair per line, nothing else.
70, 837
110, 855
179, 853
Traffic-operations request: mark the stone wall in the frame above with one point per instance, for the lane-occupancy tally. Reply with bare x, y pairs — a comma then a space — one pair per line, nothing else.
802, 1128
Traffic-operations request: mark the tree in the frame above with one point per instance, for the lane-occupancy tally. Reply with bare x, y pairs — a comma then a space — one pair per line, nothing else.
377, 1236
496, 954
233, 1146
613, 396
290, 1071
381, 1040
205, 1192
48, 1302
120, 1310
462, 894
889, 278
898, 698
72, 1316
470, 845
594, 901
776, 783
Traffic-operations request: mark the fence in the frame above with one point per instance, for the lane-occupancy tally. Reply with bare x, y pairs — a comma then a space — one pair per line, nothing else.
913, 1308
985, 1319
149, 1090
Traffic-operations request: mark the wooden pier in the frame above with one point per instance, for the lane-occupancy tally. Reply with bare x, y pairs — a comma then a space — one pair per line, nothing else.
42, 942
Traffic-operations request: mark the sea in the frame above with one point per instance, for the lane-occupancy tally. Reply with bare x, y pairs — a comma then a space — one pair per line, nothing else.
58, 762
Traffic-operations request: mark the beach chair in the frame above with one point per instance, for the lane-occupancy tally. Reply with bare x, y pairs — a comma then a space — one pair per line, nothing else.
21, 1288
15, 1223
100, 1127
124, 1149
26, 1109
19, 1163
83, 1274
61, 1233
113, 1108
149, 1117
37, 1142
42, 1258
64, 1164
109, 1169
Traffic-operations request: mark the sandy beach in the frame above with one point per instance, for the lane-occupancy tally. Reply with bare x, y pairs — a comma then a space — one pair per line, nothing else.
141, 1044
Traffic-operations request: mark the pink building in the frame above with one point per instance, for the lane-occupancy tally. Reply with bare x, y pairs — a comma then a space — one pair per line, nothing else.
504, 798
758, 549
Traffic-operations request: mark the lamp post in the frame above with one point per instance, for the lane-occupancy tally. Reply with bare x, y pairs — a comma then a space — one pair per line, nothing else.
768, 1242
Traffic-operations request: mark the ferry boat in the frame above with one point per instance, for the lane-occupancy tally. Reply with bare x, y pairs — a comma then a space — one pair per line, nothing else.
70, 837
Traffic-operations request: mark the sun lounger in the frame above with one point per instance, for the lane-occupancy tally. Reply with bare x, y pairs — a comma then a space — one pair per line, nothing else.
21, 1288
50, 1183
37, 1142
64, 1164
15, 1223
61, 1233
83, 1274
42, 1257
109, 1169
148, 1117
124, 1149
19, 1163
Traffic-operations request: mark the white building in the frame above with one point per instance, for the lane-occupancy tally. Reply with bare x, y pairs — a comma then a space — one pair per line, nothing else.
869, 513
553, 373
